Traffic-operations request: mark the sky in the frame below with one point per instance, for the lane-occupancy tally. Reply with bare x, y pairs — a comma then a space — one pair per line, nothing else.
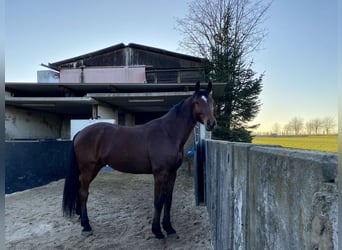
298, 57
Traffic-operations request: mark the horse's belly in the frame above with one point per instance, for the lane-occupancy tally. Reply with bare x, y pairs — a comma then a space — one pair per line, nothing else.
130, 164
125, 150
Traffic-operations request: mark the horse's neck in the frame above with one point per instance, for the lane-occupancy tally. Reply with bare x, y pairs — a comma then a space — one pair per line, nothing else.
182, 122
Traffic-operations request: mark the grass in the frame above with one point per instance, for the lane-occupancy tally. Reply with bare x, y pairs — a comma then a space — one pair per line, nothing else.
319, 143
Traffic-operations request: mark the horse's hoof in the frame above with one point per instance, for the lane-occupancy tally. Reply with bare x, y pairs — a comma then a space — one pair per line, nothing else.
159, 236
173, 236
86, 233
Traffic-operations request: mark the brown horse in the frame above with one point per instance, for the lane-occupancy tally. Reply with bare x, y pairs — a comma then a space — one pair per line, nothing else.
153, 148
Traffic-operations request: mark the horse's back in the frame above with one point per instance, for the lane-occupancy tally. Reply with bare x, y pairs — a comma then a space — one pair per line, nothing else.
90, 135
123, 148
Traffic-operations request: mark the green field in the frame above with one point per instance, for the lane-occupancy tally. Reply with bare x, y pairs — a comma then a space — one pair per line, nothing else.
320, 143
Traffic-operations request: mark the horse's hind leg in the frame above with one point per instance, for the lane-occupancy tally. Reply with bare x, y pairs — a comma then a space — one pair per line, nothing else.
84, 192
78, 206
85, 180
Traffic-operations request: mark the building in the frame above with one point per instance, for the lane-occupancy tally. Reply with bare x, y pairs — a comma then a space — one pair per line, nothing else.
131, 84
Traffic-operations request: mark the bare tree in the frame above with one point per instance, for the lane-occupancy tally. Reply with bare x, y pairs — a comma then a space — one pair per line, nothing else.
276, 128
287, 129
235, 24
316, 125
328, 123
296, 125
309, 127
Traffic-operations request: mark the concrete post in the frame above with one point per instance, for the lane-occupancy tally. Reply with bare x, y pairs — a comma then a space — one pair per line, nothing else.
107, 112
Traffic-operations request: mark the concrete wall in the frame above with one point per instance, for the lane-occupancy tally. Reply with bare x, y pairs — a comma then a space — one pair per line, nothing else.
29, 124
25, 124
104, 75
270, 198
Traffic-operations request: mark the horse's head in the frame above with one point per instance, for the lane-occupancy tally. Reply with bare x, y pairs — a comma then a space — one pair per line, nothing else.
204, 106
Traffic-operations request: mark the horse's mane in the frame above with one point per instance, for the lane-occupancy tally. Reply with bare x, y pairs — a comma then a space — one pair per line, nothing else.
178, 107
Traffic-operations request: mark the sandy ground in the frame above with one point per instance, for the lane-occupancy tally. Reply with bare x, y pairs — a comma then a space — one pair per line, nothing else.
120, 210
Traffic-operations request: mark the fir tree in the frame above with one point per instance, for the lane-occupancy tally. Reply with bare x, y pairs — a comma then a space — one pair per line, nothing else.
240, 102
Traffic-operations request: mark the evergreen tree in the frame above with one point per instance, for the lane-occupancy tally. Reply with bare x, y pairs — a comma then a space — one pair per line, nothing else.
226, 33
240, 102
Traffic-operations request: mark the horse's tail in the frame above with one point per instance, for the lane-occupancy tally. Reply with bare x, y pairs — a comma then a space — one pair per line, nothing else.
71, 185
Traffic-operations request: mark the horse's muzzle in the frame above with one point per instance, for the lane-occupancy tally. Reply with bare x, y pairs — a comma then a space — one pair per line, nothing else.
210, 125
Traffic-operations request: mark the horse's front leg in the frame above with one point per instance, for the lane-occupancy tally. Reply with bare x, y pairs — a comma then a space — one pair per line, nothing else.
163, 189
159, 199
167, 205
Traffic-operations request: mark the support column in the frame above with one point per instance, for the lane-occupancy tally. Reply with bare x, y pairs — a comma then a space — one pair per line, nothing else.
129, 119
107, 112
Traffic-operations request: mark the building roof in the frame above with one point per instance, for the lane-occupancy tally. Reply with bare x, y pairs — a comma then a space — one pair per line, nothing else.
57, 65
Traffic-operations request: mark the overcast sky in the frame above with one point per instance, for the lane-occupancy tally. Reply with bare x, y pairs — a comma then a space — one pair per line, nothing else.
299, 55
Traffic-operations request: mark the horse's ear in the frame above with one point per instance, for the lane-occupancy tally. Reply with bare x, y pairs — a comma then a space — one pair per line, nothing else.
210, 87
197, 87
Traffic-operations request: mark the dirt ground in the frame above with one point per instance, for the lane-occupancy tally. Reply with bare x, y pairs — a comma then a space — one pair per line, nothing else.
120, 209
